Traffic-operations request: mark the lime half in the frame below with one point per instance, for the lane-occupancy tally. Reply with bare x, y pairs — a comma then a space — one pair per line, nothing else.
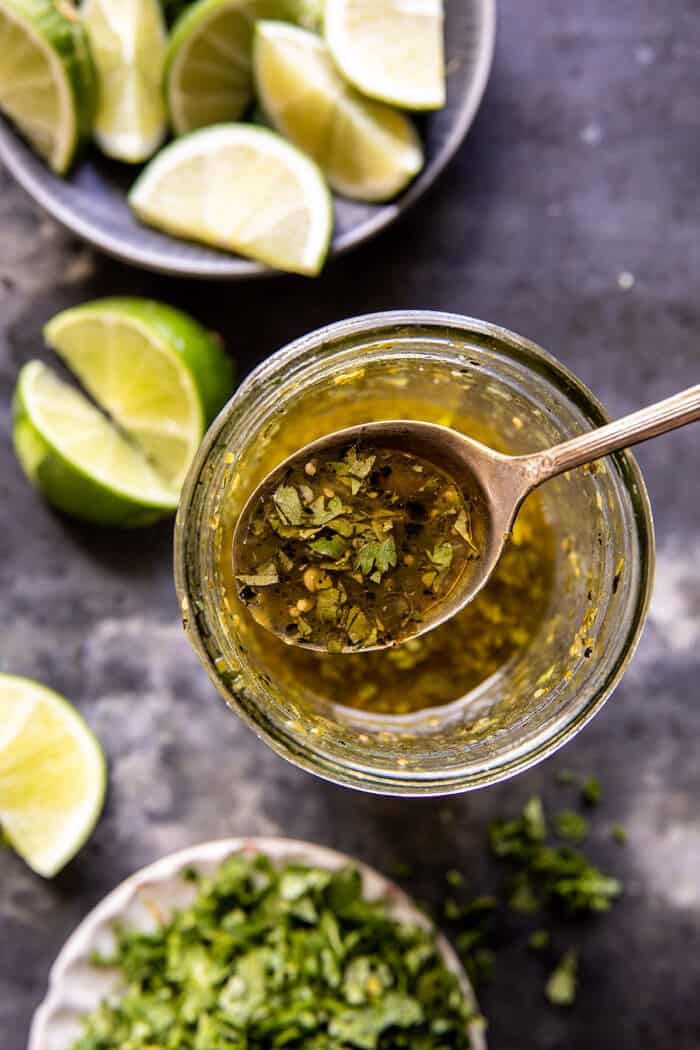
392, 50
158, 373
367, 150
47, 82
52, 775
241, 188
79, 460
128, 42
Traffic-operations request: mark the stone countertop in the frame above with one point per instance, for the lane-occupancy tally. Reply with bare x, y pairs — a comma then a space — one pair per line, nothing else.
569, 216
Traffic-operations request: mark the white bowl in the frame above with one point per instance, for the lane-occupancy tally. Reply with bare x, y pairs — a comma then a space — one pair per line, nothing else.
76, 987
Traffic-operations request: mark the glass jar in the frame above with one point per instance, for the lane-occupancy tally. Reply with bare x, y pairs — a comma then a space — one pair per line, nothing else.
439, 367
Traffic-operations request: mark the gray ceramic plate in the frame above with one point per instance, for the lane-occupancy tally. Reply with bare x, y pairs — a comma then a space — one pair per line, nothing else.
92, 202
76, 987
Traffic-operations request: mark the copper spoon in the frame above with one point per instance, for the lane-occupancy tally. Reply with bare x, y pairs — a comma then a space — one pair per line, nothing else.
502, 482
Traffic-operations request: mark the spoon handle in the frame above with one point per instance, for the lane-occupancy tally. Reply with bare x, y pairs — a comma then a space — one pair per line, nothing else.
649, 422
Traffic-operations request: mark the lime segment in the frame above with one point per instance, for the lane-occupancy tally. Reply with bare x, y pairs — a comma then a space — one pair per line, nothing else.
78, 460
128, 42
367, 150
159, 374
52, 775
241, 188
209, 66
392, 50
47, 84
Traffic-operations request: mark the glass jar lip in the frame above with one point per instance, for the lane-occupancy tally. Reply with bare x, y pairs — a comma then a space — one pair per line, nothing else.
533, 749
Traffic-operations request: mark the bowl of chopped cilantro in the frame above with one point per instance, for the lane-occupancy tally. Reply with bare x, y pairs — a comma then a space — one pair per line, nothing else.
254, 945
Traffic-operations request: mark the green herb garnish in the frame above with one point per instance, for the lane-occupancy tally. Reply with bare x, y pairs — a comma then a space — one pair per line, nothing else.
619, 833
592, 792
561, 986
267, 958
572, 826
538, 940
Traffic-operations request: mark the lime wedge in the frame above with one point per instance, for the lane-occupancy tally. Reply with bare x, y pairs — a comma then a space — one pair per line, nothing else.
159, 374
392, 50
47, 81
128, 42
367, 150
209, 67
78, 460
241, 188
208, 77
52, 775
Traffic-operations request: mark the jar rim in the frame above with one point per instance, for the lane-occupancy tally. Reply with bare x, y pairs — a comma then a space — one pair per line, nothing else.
414, 323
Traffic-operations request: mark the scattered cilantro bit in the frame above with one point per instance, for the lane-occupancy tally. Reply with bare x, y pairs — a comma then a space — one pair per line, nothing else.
329, 547
454, 878
592, 792
572, 826
523, 897
538, 940
566, 776
376, 557
619, 833
561, 986
542, 875
266, 577
534, 820
288, 503
266, 958
441, 555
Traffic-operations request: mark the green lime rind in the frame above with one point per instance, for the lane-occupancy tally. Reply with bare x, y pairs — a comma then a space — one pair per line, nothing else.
93, 755
67, 38
65, 483
200, 350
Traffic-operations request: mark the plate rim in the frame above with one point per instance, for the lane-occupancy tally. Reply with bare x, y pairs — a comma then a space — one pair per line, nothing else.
216, 851
235, 268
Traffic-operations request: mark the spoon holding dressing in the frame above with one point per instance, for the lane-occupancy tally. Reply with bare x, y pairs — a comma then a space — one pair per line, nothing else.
378, 533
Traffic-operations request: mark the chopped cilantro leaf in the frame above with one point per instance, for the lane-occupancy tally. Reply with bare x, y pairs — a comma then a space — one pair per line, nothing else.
333, 547
538, 940
619, 833
376, 556
286, 499
572, 826
267, 576
441, 556
561, 986
592, 792
263, 959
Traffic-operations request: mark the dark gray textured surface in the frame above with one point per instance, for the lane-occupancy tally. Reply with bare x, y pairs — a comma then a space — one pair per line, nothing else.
581, 170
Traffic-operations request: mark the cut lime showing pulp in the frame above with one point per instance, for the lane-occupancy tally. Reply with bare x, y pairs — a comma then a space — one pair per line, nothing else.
208, 76
241, 188
47, 82
161, 376
52, 775
78, 459
128, 42
367, 150
209, 66
392, 50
